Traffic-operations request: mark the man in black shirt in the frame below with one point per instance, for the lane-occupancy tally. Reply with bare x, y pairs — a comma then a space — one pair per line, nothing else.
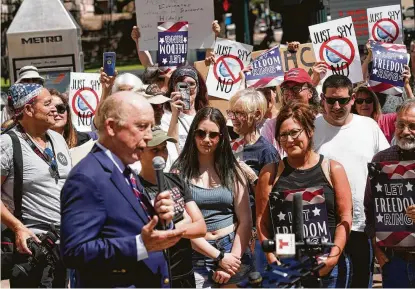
186, 211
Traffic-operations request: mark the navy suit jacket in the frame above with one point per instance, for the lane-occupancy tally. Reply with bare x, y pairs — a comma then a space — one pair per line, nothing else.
100, 220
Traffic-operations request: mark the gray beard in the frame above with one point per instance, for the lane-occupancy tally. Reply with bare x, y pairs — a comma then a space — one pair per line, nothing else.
405, 144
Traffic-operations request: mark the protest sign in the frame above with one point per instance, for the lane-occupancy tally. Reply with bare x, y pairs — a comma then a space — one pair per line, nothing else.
198, 13
357, 10
84, 95
266, 70
393, 190
388, 63
335, 43
314, 212
172, 50
303, 58
223, 79
385, 23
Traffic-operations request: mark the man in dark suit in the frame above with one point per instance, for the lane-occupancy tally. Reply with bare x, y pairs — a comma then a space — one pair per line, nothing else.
108, 223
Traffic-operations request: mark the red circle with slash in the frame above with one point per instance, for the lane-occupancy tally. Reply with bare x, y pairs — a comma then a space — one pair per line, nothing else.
222, 59
77, 94
349, 61
377, 25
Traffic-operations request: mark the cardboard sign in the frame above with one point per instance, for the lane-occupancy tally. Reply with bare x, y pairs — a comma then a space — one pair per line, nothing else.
303, 58
335, 43
385, 24
198, 13
388, 63
314, 212
266, 70
84, 95
223, 79
172, 49
393, 190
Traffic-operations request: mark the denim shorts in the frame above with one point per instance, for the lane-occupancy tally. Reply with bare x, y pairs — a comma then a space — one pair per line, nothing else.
204, 267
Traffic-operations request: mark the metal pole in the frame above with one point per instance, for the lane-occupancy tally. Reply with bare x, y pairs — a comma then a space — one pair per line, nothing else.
247, 37
266, 6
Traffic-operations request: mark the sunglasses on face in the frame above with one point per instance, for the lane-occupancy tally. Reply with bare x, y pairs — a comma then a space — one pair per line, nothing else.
296, 88
61, 108
200, 133
368, 100
333, 100
294, 134
401, 125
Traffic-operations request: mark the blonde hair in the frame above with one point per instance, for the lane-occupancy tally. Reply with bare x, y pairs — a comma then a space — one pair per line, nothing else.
128, 79
251, 101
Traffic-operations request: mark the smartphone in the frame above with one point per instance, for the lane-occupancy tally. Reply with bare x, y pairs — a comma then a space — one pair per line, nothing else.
184, 89
109, 63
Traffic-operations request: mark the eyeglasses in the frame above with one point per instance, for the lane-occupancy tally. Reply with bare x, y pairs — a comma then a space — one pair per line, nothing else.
296, 88
53, 168
294, 134
368, 100
200, 133
61, 108
236, 114
401, 125
333, 100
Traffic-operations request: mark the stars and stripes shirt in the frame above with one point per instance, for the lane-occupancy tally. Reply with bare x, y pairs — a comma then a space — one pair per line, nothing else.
394, 153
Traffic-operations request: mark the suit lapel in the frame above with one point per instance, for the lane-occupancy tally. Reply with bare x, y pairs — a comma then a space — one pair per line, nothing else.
119, 181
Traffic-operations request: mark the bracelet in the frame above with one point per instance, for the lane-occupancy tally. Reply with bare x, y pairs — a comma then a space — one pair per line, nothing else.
220, 256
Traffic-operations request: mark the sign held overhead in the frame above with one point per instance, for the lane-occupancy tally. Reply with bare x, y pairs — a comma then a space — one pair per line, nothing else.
385, 24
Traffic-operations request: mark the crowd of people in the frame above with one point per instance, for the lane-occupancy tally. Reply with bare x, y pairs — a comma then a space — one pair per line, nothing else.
203, 225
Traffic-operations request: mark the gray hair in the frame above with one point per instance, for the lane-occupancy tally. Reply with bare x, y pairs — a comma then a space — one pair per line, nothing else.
110, 108
128, 79
251, 101
407, 104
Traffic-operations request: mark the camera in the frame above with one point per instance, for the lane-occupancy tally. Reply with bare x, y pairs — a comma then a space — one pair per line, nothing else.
45, 253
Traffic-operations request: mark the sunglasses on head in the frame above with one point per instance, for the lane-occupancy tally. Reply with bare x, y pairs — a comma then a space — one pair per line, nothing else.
61, 108
341, 101
368, 100
200, 133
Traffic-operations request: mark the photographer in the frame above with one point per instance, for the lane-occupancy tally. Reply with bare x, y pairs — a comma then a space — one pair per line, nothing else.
36, 161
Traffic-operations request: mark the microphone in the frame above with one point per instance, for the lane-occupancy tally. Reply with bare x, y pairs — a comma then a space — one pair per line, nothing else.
298, 221
158, 165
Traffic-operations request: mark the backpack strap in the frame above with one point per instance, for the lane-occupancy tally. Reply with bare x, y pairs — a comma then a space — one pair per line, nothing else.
18, 174
325, 166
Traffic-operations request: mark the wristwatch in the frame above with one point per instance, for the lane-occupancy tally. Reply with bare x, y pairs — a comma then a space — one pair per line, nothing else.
220, 256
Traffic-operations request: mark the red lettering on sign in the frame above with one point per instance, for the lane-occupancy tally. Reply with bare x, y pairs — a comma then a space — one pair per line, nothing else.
282, 243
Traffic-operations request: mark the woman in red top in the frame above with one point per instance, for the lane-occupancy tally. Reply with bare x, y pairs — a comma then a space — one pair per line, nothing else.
367, 104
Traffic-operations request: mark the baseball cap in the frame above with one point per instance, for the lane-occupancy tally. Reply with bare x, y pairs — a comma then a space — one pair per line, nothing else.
160, 136
297, 75
154, 95
28, 72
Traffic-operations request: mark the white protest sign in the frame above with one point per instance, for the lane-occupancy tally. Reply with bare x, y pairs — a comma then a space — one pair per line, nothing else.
385, 24
199, 14
223, 79
335, 43
84, 95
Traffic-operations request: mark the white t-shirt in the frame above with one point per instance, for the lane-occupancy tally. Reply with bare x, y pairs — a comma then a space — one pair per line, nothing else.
353, 145
184, 123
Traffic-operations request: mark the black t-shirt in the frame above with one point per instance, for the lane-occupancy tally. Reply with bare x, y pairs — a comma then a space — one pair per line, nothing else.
181, 253
82, 137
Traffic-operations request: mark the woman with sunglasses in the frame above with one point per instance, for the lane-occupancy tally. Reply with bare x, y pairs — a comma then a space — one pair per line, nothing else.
303, 168
367, 104
219, 189
64, 123
177, 120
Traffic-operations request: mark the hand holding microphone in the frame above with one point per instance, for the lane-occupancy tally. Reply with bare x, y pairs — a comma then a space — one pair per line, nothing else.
163, 203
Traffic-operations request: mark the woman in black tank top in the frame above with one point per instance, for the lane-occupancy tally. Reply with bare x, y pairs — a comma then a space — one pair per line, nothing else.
325, 186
